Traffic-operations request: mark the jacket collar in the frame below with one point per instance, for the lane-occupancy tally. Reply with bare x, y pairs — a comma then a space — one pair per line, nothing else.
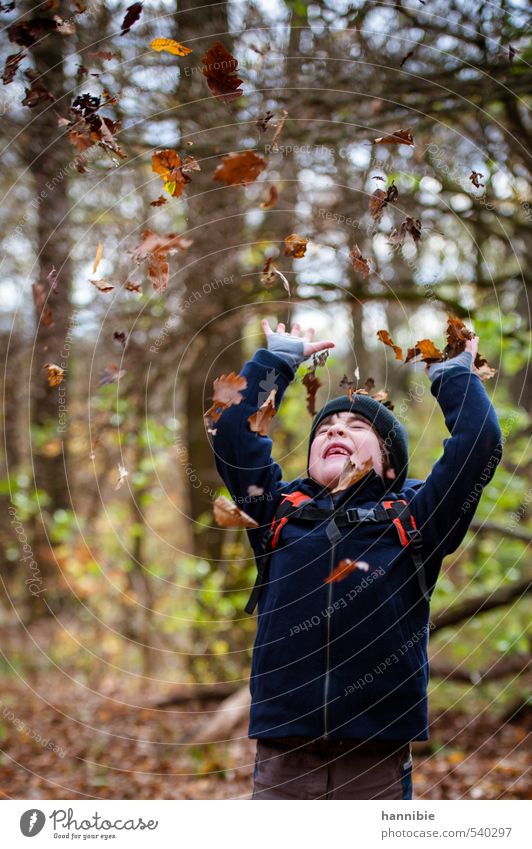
369, 488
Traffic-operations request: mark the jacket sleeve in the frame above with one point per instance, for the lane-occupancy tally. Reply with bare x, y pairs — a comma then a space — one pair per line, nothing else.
243, 458
445, 505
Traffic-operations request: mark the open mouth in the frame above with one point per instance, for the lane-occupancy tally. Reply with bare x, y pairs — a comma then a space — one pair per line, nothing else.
336, 448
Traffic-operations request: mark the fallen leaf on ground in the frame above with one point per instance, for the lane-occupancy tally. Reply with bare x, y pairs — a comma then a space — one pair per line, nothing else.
228, 515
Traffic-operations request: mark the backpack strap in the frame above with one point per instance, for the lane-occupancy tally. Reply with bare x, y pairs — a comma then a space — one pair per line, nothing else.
288, 506
409, 534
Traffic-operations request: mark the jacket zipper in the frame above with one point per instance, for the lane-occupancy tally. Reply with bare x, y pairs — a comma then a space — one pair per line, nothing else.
327, 649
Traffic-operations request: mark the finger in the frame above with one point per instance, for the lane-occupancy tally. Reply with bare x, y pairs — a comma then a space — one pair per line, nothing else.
314, 347
265, 324
296, 328
280, 327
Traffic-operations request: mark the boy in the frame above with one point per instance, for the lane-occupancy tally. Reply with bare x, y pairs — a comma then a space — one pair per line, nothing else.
339, 671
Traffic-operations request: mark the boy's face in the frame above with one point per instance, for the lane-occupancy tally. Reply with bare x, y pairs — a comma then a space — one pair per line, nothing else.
337, 437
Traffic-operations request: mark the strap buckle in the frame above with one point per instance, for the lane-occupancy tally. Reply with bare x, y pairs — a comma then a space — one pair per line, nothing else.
360, 514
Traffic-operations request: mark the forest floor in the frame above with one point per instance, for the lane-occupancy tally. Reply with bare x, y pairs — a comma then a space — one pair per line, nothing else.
114, 746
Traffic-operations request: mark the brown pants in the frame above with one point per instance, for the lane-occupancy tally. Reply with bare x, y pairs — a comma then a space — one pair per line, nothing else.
296, 768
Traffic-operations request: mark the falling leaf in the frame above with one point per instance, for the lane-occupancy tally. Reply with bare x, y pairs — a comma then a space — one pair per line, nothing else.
260, 421
228, 515
161, 200
409, 225
311, 384
385, 337
262, 123
400, 137
97, 258
227, 390
352, 472
111, 374
37, 92
267, 275
43, 311
344, 568
105, 55
28, 32
156, 248
408, 55
170, 46
482, 369
131, 286
260, 50
427, 350
173, 170
379, 200
88, 128
295, 246
122, 475
475, 178
359, 262
132, 15
11, 65
55, 374
239, 168
279, 130
218, 68
120, 336
457, 336
103, 285
271, 201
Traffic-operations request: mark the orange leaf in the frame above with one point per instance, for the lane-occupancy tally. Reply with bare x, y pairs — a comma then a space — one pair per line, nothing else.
239, 168
295, 246
260, 421
385, 337
344, 568
359, 262
226, 392
228, 515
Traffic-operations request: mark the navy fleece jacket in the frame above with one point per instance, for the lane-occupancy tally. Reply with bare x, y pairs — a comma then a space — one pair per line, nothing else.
348, 659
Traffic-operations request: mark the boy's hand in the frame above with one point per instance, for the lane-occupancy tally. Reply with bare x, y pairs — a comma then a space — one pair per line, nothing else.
309, 347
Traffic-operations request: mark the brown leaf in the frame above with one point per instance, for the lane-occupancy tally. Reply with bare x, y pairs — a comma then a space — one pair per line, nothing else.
260, 421
151, 242
173, 170
88, 127
279, 130
28, 32
399, 137
43, 311
131, 286
37, 92
227, 390
102, 285
271, 201
111, 374
379, 200
344, 568
311, 384
161, 200
475, 178
295, 246
457, 335
267, 275
228, 515
409, 225
239, 168
55, 374
359, 262
158, 271
218, 68
385, 337
427, 350
481, 367
132, 15
352, 472
11, 65
105, 55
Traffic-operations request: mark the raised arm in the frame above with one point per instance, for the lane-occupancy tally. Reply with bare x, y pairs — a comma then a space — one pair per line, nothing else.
243, 458
444, 506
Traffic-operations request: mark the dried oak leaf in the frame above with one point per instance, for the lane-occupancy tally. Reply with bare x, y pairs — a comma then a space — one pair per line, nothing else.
358, 261
457, 335
352, 472
156, 248
161, 200
218, 68
385, 337
103, 285
236, 169
173, 170
227, 390
88, 128
260, 421
28, 32
409, 225
55, 374
482, 368
11, 64
311, 384
267, 275
168, 45
132, 15
475, 178
344, 568
271, 200
295, 246
228, 515
131, 286
427, 350
104, 55
379, 200
43, 311
399, 137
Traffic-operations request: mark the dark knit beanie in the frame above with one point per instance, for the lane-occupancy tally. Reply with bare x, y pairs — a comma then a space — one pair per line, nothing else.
388, 427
